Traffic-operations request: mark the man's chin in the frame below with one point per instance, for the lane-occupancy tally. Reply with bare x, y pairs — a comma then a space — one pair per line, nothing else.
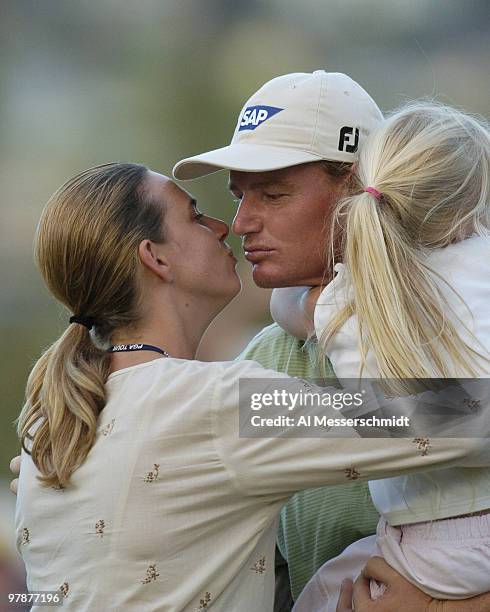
270, 279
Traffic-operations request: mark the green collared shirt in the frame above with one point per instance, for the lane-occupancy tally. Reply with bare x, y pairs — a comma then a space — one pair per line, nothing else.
316, 525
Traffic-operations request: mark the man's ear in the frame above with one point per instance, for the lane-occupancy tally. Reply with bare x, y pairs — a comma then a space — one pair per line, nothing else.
153, 258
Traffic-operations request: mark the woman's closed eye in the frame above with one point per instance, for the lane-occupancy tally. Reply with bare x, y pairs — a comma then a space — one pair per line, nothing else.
197, 215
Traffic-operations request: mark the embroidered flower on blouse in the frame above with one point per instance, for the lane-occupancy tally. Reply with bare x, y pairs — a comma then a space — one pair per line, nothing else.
423, 445
64, 588
471, 404
204, 602
259, 567
153, 475
107, 429
352, 473
26, 536
99, 528
151, 574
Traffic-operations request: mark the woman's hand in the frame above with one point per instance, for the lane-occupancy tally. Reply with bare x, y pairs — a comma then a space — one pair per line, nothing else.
15, 469
399, 595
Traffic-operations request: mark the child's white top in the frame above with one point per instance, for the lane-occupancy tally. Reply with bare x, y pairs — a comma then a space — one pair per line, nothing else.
446, 492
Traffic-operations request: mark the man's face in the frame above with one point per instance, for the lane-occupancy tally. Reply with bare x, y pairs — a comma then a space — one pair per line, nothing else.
282, 217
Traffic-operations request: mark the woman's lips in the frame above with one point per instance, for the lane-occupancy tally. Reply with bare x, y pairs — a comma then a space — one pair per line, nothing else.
229, 251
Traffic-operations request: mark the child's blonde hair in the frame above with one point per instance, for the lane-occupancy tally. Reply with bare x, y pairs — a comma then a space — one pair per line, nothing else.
430, 164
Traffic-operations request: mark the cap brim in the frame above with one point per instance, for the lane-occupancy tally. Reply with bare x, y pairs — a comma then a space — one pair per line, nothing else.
241, 157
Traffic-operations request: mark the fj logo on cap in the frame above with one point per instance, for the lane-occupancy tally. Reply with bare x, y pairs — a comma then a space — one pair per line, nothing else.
253, 116
349, 139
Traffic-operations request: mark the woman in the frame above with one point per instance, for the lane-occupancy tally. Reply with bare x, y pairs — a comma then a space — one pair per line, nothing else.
137, 492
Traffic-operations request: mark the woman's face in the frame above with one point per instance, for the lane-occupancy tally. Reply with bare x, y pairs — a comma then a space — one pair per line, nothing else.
202, 263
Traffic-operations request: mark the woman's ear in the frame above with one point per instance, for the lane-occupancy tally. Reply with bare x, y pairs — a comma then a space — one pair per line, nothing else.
153, 258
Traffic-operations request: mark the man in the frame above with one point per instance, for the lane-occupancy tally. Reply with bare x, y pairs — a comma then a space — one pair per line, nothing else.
289, 161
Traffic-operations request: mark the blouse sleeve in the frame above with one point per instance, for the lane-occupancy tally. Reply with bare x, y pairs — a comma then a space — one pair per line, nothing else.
282, 465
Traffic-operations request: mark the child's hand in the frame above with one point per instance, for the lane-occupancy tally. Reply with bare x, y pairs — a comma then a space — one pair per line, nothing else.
293, 307
310, 299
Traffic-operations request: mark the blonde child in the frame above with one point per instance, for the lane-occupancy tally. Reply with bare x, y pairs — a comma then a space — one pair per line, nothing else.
409, 299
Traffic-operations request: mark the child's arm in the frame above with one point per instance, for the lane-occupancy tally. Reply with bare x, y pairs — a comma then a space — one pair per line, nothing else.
292, 308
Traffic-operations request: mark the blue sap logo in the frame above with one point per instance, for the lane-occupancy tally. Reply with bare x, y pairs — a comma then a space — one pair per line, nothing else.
253, 116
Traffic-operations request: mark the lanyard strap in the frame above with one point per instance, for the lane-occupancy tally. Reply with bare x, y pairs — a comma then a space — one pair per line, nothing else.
126, 348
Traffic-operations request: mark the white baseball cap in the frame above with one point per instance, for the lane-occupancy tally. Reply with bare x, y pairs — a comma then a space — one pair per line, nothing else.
293, 119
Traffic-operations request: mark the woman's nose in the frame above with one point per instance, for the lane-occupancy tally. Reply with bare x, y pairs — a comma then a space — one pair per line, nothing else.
219, 227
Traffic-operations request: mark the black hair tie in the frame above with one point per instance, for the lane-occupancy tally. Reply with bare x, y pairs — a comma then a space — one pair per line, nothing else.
87, 322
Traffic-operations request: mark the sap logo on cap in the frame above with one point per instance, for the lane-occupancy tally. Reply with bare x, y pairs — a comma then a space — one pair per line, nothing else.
253, 116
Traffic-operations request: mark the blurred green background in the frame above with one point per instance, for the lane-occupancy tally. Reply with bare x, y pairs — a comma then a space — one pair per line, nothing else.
152, 81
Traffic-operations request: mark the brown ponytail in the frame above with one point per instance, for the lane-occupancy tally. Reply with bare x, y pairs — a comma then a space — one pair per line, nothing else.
86, 249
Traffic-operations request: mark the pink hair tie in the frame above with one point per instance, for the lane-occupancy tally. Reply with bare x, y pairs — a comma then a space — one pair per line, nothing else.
374, 192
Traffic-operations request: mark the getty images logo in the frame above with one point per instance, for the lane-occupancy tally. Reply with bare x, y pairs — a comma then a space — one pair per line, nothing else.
347, 136
253, 116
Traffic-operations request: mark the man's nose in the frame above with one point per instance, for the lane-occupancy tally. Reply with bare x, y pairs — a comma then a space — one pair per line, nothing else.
247, 220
